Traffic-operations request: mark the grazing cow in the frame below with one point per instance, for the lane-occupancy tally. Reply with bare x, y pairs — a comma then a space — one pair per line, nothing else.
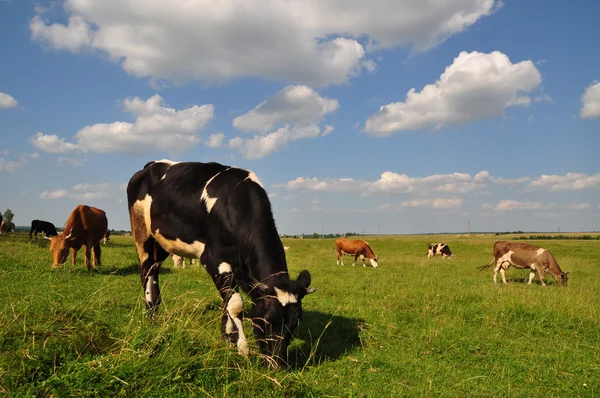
179, 262
6, 227
524, 255
221, 215
85, 227
439, 248
106, 236
46, 228
356, 248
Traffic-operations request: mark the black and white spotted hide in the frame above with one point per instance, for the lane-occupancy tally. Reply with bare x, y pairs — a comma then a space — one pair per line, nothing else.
439, 248
222, 216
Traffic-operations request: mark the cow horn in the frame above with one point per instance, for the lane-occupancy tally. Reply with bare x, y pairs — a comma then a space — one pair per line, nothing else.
45, 236
311, 290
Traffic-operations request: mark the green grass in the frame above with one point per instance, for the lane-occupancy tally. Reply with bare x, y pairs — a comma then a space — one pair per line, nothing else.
413, 327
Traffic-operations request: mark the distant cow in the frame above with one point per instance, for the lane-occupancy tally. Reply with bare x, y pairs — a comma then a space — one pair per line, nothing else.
85, 227
221, 215
439, 248
356, 248
46, 228
6, 227
106, 236
179, 262
524, 255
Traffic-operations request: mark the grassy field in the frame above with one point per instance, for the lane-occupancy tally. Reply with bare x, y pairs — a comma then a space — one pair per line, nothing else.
412, 327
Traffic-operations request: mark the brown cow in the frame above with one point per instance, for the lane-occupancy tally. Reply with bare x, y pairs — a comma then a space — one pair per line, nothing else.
356, 248
524, 255
85, 227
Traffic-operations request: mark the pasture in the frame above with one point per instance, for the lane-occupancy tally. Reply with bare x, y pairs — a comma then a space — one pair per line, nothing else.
412, 327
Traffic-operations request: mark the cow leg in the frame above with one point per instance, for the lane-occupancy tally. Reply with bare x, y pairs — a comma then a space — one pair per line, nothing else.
355, 258
88, 257
500, 267
233, 306
531, 276
151, 256
541, 274
363, 260
73, 256
337, 256
97, 254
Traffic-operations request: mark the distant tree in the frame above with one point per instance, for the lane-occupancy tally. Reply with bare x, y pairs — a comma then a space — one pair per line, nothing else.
8, 215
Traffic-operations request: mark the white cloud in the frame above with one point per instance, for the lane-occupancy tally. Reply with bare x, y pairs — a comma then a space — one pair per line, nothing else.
476, 86
87, 192
390, 183
215, 140
579, 206
511, 205
156, 127
8, 166
567, 182
260, 146
312, 41
52, 144
295, 111
71, 161
591, 101
297, 105
438, 203
7, 101
74, 36
58, 194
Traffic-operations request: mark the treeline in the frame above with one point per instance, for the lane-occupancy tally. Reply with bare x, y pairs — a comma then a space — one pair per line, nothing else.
558, 237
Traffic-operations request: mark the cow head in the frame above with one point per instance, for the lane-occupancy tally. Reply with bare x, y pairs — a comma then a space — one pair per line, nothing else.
106, 236
562, 278
59, 246
276, 312
374, 262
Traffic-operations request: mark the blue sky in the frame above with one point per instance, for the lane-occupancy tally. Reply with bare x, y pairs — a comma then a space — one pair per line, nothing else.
391, 116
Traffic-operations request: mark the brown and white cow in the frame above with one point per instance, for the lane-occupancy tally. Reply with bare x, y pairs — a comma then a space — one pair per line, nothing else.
357, 248
86, 227
441, 249
6, 227
522, 256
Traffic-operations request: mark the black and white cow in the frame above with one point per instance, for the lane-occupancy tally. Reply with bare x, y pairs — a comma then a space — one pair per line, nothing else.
222, 216
46, 228
439, 248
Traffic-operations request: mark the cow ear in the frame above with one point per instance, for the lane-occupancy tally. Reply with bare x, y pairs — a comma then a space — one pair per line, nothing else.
303, 282
251, 286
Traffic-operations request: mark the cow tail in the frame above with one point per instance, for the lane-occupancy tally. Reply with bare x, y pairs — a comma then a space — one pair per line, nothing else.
482, 267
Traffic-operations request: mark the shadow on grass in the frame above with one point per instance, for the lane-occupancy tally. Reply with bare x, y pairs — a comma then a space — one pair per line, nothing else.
325, 337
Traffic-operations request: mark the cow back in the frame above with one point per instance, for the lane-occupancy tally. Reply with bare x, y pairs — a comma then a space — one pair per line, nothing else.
86, 224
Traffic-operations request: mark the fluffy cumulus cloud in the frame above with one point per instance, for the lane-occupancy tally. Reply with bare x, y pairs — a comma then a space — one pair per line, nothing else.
52, 144
591, 101
313, 41
297, 105
295, 112
567, 182
156, 127
7, 101
476, 86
